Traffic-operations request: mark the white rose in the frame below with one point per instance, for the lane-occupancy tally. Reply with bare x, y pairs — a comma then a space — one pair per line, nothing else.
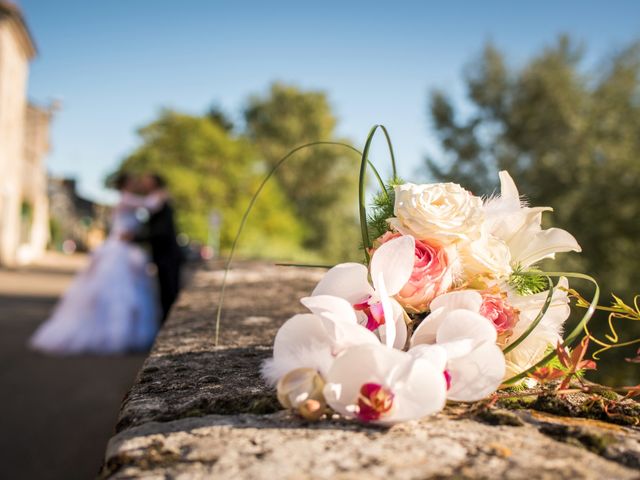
445, 212
487, 255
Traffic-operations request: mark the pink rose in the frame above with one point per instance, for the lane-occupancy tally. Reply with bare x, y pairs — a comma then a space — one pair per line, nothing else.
432, 274
502, 315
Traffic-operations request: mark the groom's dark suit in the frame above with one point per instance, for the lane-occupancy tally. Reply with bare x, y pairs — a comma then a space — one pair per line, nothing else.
160, 234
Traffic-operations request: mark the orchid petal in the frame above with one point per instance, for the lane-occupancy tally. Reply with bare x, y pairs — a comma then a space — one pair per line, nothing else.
458, 348
302, 341
476, 375
434, 354
345, 280
463, 325
328, 306
344, 335
461, 299
419, 389
356, 366
400, 324
393, 261
387, 308
428, 328
299, 330
422, 392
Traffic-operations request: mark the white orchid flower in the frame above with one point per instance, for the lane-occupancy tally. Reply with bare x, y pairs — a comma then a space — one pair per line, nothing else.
546, 334
391, 267
462, 342
519, 227
314, 340
384, 385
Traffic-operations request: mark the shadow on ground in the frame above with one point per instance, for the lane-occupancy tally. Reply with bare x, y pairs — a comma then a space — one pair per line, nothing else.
57, 413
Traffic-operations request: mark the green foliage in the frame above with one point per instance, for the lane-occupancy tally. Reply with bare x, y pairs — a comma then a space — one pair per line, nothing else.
320, 183
208, 168
217, 115
570, 137
528, 282
307, 212
381, 209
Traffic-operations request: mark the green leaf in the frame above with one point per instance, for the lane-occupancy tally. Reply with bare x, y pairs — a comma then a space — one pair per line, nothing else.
527, 282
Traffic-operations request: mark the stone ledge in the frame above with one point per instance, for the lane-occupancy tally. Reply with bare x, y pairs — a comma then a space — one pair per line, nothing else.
446, 446
186, 375
199, 411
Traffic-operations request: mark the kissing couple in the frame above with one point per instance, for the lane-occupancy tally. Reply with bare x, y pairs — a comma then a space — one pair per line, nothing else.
118, 302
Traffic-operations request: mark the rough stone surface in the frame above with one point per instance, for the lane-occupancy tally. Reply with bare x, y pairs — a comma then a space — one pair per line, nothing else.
186, 375
199, 411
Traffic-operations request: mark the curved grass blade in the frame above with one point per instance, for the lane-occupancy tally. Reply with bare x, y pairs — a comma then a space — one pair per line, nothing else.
535, 322
571, 338
364, 229
304, 265
245, 216
390, 145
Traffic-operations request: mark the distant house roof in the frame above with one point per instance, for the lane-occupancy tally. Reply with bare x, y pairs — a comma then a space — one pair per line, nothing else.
13, 13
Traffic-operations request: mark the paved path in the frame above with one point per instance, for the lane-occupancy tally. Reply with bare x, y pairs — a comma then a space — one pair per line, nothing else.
56, 414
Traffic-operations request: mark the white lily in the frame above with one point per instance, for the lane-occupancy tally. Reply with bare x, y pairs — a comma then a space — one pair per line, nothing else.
463, 343
546, 334
391, 267
383, 385
314, 340
519, 226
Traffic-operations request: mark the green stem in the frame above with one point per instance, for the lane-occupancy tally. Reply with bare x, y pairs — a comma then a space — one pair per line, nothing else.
304, 265
245, 216
535, 322
364, 228
570, 339
390, 145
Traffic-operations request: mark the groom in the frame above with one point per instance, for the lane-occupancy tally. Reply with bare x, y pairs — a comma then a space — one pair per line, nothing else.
160, 233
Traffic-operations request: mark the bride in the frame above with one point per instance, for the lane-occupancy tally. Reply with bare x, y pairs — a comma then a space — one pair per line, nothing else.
111, 306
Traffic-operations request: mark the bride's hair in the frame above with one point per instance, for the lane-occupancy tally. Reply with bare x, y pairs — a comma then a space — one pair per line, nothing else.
158, 179
121, 180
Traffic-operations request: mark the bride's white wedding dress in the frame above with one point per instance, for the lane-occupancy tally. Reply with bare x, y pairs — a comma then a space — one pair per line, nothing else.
112, 306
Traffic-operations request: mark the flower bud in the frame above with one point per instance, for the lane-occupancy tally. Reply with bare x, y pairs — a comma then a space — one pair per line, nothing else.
301, 390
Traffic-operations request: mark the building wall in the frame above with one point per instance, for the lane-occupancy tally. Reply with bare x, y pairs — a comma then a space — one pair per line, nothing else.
75, 218
35, 235
14, 67
24, 143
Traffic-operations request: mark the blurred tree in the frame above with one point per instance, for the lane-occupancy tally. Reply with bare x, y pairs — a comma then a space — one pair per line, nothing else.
570, 139
208, 168
219, 116
320, 182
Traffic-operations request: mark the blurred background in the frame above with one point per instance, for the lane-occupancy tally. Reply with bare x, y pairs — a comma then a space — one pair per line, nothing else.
212, 94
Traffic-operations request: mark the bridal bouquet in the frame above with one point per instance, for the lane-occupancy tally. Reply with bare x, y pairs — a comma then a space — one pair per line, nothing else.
440, 313
448, 305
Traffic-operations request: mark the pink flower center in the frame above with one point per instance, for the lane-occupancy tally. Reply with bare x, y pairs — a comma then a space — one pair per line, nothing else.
496, 309
447, 377
374, 401
373, 311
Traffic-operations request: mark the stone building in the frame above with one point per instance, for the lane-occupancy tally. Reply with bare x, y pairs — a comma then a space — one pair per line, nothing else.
24, 142
76, 222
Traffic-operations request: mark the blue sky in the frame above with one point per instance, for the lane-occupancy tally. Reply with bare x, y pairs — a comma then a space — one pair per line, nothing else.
114, 64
